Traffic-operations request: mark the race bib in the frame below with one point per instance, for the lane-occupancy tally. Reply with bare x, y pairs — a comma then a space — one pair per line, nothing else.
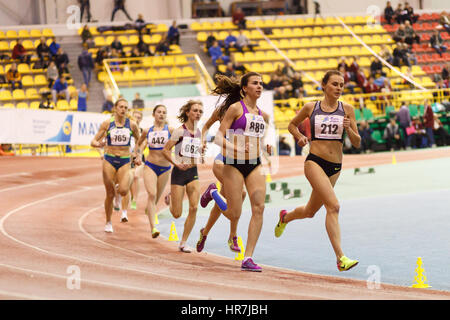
328, 127
190, 147
255, 125
120, 136
158, 139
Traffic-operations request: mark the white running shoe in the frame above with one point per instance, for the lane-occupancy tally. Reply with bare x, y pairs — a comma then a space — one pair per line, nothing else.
124, 217
108, 227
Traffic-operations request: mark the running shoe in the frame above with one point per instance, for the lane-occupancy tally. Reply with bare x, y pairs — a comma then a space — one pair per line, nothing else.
206, 196
155, 233
124, 217
279, 229
345, 263
117, 203
233, 244
184, 249
201, 241
249, 265
108, 227
133, 205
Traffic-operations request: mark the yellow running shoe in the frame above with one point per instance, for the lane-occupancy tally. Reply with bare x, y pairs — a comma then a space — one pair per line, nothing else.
345, 263
155, 233
279, 229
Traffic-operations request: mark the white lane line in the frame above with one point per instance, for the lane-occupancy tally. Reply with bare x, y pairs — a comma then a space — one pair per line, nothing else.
93, 282
21, 296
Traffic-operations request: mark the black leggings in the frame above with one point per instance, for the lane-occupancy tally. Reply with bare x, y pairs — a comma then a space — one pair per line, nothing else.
330, 168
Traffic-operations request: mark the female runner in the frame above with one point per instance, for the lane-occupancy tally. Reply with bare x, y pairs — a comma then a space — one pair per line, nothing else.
329, 119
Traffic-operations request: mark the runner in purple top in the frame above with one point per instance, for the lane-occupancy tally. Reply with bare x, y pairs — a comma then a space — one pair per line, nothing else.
244, 126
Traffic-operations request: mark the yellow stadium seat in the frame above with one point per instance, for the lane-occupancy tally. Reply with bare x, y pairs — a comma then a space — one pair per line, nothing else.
2, 35
48, 33
324, 52
34, 105
202, 36
140, 74
217, 25
206, 25
23, 33
288, 33
196, 26
5, 95
4, 46
23, 68
239, 57
123, 40
268, 67
182, 60
158, 61
357, 29
32, 94
277, 33
12, 44
127, 75
259, 55
22, 105
300, 22
133, 40
28, 44
289, 22
62, 105
102, 76
73, 105
169, 61
35, 33
256, 67
12, 34
18, 94
308, 32
99, 42
40, 80
9, 105
228, 25
27, 81
165, 73
318, 31
349, 19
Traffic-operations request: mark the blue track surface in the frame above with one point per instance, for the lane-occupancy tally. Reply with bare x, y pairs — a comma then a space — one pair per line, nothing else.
388, 220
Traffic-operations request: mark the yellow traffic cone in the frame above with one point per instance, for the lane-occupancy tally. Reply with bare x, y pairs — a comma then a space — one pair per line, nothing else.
240, 256
173, 236
420, 277
156, 219
268, 178
218, 185
394, 161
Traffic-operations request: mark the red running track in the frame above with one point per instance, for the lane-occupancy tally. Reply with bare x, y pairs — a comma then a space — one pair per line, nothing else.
51, 223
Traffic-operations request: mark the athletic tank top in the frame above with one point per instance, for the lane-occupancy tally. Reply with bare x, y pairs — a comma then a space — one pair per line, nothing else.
327, 125
189, 145
119, 136
249, 124
158, 139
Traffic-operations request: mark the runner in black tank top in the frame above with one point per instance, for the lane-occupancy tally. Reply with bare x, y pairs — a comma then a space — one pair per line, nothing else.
329, 118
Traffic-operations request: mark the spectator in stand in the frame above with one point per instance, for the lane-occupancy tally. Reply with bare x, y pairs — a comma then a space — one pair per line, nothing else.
400, 14
401, 55
297, 86
229, 70
342, 63
108, 104
20, 53
386, 88
216, 53
411, 35
365, 131
143, 48
120, 5
60, 88
52, 74
117, 45
238, 19
437, 43
54, 47
388, 12
445, 73
440, 84
274, 82
281, 94
403, 118
283, 148
371, 87
392, 135
287, 70
418, 136
82, 98
85, 5
445, 22
400, 33
410, 16
439, 129
230, 42
43, 52
140, 23
243, 42
376, 68
62, 62
138, 103
173, 35
348, 83
210, 41
87, 37
13, 77
361, 78
386, 54
86, 65
428, 121
101, 55
163, 46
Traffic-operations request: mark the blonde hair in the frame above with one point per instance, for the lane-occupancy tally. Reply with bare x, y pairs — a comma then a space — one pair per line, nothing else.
186, 108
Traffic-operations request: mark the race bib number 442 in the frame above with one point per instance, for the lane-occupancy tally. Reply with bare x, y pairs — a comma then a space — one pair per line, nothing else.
328, 127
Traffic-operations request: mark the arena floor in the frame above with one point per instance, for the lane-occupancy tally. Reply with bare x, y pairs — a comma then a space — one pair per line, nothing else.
52, 219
